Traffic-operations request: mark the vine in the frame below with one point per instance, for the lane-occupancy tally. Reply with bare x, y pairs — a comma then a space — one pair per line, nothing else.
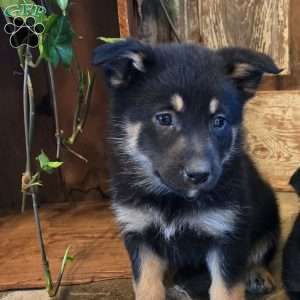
54, 48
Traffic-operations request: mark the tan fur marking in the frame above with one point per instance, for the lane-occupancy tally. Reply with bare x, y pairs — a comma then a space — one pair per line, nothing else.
177, 102
260, 271
237, 292
133, 132
150, 284
241, 70
213, 105
218, 291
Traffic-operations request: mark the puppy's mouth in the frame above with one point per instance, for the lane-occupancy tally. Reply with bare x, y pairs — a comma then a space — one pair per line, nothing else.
189, 194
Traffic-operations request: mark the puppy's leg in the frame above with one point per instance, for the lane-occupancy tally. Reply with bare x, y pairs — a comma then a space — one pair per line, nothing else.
220, 289
149, 284
148, 269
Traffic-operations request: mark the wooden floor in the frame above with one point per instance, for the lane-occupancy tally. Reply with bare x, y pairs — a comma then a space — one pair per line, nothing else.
90, 229
87, 226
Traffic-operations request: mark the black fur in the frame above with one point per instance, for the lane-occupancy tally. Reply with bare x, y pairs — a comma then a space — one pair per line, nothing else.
143, 80
291, 263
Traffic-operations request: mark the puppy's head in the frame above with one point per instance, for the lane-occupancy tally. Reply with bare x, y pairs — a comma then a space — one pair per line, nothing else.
176, 110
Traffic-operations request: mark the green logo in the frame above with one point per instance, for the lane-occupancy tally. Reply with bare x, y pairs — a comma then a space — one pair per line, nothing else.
24, 10
26, 25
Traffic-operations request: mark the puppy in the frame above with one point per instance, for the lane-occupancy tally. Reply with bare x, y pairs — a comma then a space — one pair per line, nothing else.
291, 263
185, 194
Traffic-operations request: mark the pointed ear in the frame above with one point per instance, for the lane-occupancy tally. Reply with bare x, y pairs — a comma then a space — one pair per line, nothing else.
246, 68
122, 61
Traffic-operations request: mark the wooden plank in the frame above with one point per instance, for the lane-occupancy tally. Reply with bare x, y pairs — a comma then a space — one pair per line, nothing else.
87, 226
185, 14
123, 14
262, 25
272, 122
152, 25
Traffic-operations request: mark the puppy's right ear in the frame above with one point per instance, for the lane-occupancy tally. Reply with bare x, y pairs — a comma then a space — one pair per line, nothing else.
123, 62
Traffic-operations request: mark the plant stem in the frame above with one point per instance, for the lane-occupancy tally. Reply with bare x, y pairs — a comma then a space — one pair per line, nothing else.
31, 109
28, 130
57, 127
75, 153
54, 102
82, 109
37, 63
45, 262
25, 112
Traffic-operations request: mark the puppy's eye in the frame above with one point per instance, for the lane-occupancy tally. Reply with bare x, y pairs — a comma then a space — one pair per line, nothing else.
219, 122
164, 119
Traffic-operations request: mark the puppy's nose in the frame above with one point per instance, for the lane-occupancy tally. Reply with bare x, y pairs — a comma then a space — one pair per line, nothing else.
197, 174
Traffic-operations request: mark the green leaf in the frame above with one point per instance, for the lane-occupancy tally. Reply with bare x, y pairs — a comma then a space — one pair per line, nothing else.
66, 54
53, 56
47, 165
57, 40
109, 40
66, 258
43, 160
54, 164
63, 4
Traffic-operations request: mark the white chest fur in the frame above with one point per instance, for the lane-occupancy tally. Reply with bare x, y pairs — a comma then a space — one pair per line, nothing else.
214, 222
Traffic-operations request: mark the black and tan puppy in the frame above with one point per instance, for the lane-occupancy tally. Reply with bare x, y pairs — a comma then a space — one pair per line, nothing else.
184, 192
291, 263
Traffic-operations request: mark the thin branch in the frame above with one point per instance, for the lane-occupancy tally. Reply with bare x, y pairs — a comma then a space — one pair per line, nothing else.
25, 112
45, 262
37, 63
29, 116
170, 21
82, 109
75, 153
31, 109
26, 175
54, 102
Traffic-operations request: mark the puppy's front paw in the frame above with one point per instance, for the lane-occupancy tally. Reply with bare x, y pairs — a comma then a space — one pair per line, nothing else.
260, 281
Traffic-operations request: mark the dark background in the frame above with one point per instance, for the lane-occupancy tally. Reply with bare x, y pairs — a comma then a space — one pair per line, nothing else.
98, 18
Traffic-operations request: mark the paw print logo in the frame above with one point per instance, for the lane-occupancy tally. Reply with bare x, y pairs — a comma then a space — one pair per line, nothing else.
24, 32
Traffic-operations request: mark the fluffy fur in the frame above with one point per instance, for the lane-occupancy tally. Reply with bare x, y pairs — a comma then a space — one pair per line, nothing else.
186, 195
291, 263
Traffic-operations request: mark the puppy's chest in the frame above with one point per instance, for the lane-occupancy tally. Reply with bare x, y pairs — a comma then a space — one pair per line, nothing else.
214, 223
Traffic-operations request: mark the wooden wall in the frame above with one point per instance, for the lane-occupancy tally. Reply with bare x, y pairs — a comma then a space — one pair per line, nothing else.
272, 122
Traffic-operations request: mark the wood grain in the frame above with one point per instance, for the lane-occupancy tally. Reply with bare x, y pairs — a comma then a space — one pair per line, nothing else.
87, 226
262, 25
272, 122
186, 19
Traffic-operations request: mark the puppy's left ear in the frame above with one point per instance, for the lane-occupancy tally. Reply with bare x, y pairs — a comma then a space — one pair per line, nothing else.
246, 68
